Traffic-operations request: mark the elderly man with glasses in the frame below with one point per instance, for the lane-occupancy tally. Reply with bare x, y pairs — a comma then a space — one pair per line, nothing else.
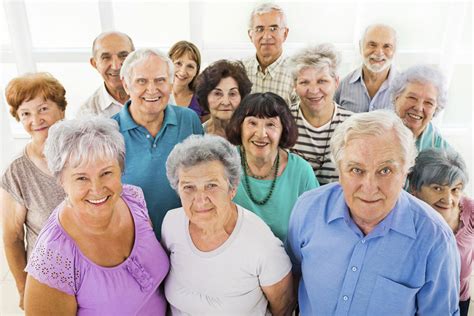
267, 70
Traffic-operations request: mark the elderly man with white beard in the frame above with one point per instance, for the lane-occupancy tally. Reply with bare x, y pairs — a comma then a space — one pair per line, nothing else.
366, 88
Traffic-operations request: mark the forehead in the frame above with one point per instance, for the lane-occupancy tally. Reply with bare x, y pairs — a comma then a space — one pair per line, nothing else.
266, 19
426, 89
202, 172
185, 56
150, 67
373, 150
113, 43
380, 34
227, 83
95, 162
33, 103
311, 71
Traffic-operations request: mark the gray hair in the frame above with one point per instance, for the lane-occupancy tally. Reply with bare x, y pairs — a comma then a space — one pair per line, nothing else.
421, 74
375, 123
381, 25
139, 55
105, 34
267, 7
316, 56
437, 166
198, 149
79, 141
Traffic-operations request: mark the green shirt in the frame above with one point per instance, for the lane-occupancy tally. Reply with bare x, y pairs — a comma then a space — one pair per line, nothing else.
297, 178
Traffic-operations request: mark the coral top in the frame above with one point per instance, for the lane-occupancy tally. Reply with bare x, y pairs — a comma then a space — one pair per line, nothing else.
130, 288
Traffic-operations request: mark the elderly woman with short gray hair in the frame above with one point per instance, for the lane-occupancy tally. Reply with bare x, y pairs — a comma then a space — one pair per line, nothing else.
314, 71
438, 178
224, 259
97, 253
419, 94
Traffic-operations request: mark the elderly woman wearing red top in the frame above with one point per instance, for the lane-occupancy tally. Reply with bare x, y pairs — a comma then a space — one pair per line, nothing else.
438, 178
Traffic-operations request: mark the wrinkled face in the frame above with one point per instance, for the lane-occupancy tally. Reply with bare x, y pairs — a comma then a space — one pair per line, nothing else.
37, 116
261, 136
371, 174
111, 51
443, 198
94, 187
205, 194
149, 87
268, 35
416, 106
185, 69
224, 99
378, 48
316, 88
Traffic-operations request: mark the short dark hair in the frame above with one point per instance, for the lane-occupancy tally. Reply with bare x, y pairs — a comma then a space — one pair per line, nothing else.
263, 105
182, 48
437, 166
214, 73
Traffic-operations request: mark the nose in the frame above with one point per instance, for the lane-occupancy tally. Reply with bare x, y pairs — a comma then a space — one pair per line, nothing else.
225, 99
200, 198
261, 131
447, 197
369, 184
313, 88
151, 86
418, 105
116, 62
96, 186
36, 119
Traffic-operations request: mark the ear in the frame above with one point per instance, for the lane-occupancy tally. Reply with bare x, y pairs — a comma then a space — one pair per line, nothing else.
249, 32
285, 35
337, 81
93, 62
125, 86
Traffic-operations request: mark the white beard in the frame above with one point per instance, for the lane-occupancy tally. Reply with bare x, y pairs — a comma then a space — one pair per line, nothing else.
377, 68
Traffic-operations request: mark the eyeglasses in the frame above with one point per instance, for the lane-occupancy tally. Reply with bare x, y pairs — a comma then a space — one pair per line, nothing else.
272, 29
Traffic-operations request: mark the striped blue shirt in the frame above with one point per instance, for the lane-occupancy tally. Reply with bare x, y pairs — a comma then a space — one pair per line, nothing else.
352, 93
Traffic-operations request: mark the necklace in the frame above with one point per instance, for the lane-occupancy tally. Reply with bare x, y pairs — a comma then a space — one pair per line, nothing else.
319, 160
247, 181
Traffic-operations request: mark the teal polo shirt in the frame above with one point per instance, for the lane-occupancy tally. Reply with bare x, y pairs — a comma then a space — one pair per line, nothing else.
145, 157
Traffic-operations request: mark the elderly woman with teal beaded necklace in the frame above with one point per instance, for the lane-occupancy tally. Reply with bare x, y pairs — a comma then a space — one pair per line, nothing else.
272, 178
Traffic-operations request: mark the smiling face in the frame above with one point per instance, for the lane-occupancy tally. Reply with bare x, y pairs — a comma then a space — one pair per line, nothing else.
378, 48
110, 52
268, 35
316, 88
261, 136
37, 116
443, 198
93, 188
185, 69
371, 174
224, 99
205, 194
416, 106
149, 89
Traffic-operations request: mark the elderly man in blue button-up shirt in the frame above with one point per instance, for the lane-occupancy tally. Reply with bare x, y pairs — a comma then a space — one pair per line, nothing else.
364, 246
151, 128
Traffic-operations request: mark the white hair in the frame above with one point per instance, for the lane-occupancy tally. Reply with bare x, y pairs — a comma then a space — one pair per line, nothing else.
139, 55
267, 7
316, 56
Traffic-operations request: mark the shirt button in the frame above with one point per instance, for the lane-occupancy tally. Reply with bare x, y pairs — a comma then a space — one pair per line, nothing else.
148, 136
345, 297
363, 241
154, 146
354, 269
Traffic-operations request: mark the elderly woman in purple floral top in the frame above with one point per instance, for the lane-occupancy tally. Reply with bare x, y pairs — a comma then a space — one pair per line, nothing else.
97, 254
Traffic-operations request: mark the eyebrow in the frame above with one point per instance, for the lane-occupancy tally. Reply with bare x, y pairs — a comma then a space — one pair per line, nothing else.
84, 173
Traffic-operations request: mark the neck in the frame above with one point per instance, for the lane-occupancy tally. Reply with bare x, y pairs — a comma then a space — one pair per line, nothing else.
118, 94
180, 90
261, 166
152, 122
265, 61
88, 224
217, 126
217, 230
319, 117
35, 148
374, 77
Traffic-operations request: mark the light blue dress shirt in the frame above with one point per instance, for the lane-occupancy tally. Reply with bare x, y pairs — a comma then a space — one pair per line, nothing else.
431, 138
408, 264
352, 93
145, 157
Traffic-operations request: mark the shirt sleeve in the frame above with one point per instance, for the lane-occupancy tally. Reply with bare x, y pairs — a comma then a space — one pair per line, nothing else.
292, 243
274, 262
440, 293
51, 265
10, 183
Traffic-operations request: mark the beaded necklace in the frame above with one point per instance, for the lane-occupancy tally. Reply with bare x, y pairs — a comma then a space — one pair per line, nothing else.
247, 181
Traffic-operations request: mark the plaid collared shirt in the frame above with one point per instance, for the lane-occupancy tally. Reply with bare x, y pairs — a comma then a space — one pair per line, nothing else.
276, 79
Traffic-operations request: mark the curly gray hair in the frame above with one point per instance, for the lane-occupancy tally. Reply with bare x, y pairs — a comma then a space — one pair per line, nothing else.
197, 149
315, 56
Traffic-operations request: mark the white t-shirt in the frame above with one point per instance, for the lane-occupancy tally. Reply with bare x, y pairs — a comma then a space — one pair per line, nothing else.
227, 280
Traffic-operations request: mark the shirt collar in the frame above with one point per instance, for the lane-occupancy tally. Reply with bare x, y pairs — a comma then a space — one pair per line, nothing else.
400, 219
107, 99
270, 68
127, 122
357, 75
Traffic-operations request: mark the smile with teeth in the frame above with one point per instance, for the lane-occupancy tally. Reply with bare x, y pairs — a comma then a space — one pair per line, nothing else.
315, 99
98, 201
259, 143
181, 77
151, 99
414, 116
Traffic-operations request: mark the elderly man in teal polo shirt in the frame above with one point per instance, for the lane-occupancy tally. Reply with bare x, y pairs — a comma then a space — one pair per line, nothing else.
151, 128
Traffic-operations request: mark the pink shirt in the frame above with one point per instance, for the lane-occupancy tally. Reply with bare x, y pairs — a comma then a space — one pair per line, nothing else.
465, 242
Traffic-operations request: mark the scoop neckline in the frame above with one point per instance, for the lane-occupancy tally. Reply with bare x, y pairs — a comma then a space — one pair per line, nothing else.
120, 265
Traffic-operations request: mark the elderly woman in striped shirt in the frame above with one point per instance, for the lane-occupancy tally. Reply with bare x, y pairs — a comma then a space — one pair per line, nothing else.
314, 71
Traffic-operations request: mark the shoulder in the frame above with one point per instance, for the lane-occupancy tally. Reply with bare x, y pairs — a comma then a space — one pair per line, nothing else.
133, 196
296, 164
15, 172
342, 114
92, 104
318, 200
467, 205
255, 230
350, 76
170, 227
